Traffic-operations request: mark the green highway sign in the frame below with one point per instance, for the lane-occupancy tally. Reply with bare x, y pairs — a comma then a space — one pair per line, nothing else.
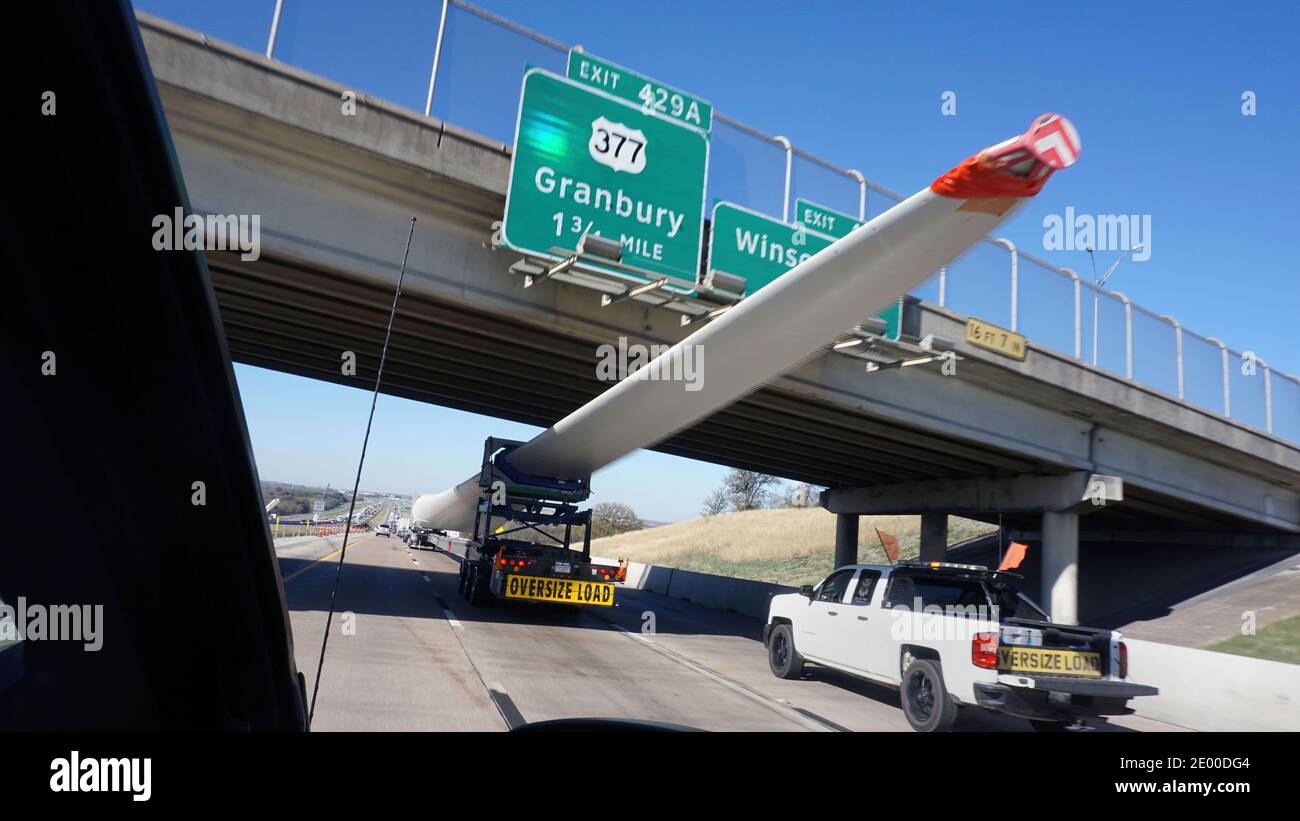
893, 316
687, 109
754, 246
587, 162
824, 220
757, 247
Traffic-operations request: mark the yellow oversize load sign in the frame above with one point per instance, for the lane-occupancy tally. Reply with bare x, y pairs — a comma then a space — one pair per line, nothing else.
568, 591
1049, 662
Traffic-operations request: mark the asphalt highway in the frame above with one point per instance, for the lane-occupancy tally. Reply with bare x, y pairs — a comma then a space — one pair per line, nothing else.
407, 653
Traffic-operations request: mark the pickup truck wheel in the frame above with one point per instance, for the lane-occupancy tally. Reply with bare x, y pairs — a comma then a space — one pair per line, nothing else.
926, 702
781, 655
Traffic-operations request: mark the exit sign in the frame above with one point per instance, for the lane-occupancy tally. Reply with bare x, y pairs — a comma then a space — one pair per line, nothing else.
824, 220
650, 95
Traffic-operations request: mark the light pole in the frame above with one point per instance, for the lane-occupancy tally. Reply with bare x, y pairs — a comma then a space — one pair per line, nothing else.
1101, 283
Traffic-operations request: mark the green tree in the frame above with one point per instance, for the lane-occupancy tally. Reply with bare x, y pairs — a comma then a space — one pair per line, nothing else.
613, 518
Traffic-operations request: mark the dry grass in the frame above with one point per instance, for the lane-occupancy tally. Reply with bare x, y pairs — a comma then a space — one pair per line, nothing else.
786, 546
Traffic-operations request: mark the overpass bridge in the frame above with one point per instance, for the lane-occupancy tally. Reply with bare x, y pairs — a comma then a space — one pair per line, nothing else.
1031, 442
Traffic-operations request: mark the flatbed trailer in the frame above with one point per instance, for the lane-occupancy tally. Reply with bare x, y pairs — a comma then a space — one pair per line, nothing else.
522, 548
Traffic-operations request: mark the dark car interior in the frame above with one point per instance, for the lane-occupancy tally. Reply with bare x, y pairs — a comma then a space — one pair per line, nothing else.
126, 430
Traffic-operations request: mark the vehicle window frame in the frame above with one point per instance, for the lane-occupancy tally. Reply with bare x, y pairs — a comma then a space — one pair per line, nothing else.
847, 571
1041, 614
887, 601
871, 591
920, 578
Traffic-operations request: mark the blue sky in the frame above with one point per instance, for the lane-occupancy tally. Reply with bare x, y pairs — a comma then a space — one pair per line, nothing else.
1154, 88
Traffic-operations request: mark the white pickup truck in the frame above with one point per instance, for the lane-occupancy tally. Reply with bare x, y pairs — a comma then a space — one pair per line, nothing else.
951, 637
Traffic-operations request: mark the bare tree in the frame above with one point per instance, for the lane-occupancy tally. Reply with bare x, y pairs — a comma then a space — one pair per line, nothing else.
749, 490
802, 494
716, 502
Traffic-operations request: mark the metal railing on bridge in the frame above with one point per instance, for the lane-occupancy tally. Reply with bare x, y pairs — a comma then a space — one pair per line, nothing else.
1054, 307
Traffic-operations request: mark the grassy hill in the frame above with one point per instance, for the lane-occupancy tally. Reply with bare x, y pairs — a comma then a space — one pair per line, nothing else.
788, 546
1279, 641
296, 499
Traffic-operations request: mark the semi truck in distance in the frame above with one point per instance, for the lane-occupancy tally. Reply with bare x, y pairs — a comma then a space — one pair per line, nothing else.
522, 547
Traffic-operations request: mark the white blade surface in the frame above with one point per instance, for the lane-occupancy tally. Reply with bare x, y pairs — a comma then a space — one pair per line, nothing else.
764, 336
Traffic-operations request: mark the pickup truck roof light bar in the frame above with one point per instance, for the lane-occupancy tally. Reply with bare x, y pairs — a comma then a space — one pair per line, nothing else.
949, 565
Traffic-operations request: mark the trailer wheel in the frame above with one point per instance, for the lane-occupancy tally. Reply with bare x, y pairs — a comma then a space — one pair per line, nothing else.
460, 580
781, 655
926, 702
479, 595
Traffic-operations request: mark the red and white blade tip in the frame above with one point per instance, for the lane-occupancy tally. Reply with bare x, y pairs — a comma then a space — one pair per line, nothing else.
1050, 144
1054, 141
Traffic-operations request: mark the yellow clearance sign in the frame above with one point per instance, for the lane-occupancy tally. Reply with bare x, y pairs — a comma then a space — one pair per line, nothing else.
1049, 662
990, 337
567, 591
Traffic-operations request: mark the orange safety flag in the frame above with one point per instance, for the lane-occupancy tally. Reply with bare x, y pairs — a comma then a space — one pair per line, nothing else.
1015, 555
982, 177
997, 177
890, 543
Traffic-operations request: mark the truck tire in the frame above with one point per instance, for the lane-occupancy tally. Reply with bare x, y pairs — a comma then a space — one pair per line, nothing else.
1047, 726
781, 655
926, 702
460, 580
479, 595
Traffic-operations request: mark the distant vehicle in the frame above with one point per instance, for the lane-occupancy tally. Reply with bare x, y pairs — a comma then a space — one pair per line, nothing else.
951, 637
382, 530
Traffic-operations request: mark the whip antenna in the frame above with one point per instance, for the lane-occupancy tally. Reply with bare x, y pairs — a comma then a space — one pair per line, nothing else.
347, 529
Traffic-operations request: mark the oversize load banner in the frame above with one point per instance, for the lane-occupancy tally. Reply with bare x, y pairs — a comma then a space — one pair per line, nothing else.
587, 162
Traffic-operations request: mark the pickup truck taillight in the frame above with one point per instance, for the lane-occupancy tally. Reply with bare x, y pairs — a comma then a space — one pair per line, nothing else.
984, 650
1123, 660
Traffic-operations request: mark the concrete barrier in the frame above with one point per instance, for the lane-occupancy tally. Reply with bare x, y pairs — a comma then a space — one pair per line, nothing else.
749, 598
1205, 690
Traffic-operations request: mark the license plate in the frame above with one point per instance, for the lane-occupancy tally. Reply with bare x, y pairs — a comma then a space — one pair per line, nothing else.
563, 567
567, 591
1049, 662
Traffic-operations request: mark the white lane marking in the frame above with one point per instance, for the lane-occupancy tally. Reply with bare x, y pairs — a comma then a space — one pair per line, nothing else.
452, 620
505, 705
774, 704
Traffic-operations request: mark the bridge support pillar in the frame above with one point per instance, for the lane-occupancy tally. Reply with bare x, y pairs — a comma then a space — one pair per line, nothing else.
934, 537
846, 539
1061, 566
